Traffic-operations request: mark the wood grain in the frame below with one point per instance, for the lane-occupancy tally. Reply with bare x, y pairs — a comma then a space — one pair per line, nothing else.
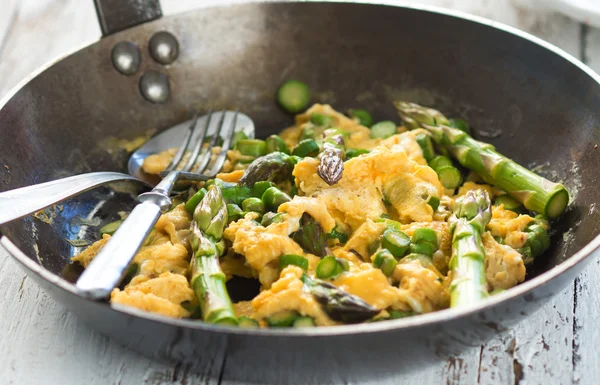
41, 343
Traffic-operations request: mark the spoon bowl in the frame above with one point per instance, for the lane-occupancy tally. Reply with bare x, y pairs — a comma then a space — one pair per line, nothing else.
174, 136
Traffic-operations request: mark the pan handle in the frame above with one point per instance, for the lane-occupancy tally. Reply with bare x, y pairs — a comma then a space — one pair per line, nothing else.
117, 15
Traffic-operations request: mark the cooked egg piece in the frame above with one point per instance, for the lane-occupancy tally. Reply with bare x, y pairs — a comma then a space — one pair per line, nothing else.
504, 266
163, 295
155, 163
366, 180
287, 294
87, 255
421, 288
370, 284
509, 225
176, 223
363, 237
315, 208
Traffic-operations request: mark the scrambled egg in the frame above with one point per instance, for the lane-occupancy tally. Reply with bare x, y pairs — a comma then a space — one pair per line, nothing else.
391, 180
87, 255
363, 238
262, 246
357, 136
287, 294
163, 295
368, 181
160, 284
504, 266
509, 225
155, 163
421, 288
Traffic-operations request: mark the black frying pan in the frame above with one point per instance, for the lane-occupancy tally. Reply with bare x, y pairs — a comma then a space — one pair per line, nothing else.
533, 101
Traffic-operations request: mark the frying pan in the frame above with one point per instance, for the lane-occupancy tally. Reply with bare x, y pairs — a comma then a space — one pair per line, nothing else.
533, 101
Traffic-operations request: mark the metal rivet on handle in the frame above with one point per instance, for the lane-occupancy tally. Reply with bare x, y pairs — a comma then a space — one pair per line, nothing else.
126, 57
154, 86
163, 47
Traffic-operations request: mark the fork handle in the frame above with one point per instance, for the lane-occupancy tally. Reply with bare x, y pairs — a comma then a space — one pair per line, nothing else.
108, 268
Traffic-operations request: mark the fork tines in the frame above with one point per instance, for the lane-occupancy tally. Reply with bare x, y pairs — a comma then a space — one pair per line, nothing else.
200, 155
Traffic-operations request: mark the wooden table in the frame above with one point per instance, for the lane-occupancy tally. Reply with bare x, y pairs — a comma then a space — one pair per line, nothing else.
41, 343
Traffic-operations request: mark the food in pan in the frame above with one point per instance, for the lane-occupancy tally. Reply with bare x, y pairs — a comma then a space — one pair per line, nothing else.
344, 221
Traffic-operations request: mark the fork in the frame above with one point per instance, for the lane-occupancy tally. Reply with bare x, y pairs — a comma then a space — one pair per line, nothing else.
108, 268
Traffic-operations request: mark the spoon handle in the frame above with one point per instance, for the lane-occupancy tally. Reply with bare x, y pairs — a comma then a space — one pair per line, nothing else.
17, 203
108, 268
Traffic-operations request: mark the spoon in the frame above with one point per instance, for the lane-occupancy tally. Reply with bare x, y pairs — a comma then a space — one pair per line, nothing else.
18, 203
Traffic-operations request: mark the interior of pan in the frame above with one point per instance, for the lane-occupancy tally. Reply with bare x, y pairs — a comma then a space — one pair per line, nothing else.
533, 104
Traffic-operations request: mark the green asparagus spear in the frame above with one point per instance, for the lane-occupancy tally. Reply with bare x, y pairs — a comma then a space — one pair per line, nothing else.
247, 322
383, 129
338, 234
424, 248
234, 212
537, 241
331, 158
354, 152
426, 261
385, 261
397, 314
338, 304
308, 131
363, 116
284, 318
293, 259
396, 242
434, 202
208, 280
260, 187
253, 204
440, 161
424, 141
194, 200
310, 236
274, 167
239, 135
509, 203
330, 267
231, 192
274, 197
274, 143
472, 212
425, 234
270, 217
306, 147
132, 271
252, 147
235, 194
111, 227
461, 124
415, 116
449, 176
320, 119
293, 96
304, 322
533, 191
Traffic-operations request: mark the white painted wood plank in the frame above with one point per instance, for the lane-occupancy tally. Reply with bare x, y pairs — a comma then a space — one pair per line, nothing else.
43, 343
544, 343
586, 340
592, 48
43, 31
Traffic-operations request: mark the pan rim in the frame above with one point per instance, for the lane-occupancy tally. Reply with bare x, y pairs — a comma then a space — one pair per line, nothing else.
420, 321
